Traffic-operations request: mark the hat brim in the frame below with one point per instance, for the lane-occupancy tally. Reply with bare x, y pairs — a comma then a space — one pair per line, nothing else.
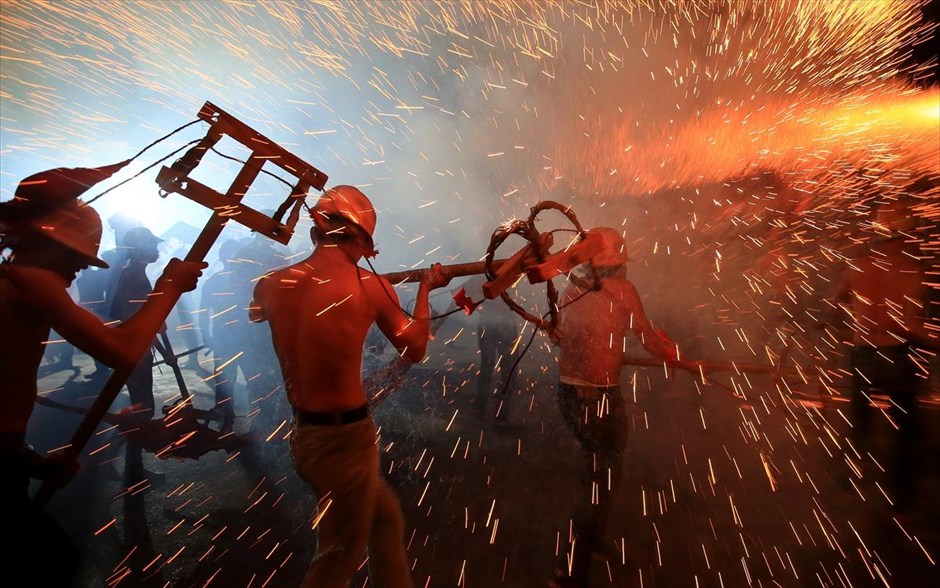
97, 262
61, 225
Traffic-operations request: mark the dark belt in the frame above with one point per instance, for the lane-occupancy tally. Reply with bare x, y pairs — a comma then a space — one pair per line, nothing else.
337, 417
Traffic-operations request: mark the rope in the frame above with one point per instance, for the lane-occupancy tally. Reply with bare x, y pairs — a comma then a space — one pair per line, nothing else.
149, 167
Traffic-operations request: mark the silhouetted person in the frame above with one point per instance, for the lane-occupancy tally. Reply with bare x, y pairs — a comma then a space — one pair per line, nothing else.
131, 291
119, 223
259, 363
221, 322
334, 445
375, 341
91, 284
96, 285
60, 354
886, 291
595, 321
497, 331
47, 236
185, 308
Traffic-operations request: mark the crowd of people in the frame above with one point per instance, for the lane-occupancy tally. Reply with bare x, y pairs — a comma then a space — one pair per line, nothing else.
261, 319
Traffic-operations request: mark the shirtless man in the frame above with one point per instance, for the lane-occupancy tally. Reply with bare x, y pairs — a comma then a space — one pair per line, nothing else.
884, 300
50, 236
594, 324
320, 311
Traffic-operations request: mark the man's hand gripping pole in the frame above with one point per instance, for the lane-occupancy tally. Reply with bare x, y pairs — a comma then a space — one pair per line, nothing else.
225, 207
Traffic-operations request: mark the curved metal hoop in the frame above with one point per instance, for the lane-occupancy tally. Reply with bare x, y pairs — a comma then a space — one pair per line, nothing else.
528, 231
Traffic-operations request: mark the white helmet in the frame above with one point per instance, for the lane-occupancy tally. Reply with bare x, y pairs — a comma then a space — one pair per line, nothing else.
615, 250
346, 206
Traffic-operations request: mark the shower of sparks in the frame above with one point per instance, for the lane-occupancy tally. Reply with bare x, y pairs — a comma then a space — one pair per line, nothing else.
751, 137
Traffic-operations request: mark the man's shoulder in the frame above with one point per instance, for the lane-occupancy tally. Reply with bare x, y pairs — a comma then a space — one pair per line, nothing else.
134, 275
296, 270
261, 252
27, 274
375, 284
216, 280
109, 255
291, 275
31, 286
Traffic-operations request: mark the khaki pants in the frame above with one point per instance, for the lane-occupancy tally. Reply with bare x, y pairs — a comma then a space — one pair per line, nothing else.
357, 506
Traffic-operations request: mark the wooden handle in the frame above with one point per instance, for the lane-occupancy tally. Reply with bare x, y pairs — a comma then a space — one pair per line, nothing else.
716, 366
210, 233
455, 270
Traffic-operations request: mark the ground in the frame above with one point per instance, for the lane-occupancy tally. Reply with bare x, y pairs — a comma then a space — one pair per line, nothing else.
721, 489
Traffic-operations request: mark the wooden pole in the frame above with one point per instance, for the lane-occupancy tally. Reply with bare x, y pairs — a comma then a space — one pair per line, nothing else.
455, 270
205, 240
716, 366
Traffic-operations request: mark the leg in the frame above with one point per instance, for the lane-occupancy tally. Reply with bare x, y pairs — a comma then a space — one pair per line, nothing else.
599, 423
34, 535
34, 539
388, 561
606, 440
905, 414
138, 539
263, 381
503, 349
341, 465
140, 390
574, 563
140, 385
861, 399
184, 313
225, 374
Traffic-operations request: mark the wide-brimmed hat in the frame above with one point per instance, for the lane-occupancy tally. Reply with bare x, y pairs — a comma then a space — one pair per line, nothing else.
47, 202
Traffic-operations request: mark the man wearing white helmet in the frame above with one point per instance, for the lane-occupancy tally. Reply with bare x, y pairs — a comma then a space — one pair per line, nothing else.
47, 236
883, 295
320, 311
595, 322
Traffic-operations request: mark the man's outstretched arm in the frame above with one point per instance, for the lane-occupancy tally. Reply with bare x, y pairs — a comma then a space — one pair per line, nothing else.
657, 343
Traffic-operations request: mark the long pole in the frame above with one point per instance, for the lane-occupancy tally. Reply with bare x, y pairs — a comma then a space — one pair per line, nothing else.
454, 270
200, 249
94, 416
717, 366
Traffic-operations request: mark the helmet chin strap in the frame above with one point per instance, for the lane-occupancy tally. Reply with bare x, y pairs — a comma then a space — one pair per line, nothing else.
325, 240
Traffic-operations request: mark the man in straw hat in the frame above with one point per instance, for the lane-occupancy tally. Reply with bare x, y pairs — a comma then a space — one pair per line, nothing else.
47, 236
